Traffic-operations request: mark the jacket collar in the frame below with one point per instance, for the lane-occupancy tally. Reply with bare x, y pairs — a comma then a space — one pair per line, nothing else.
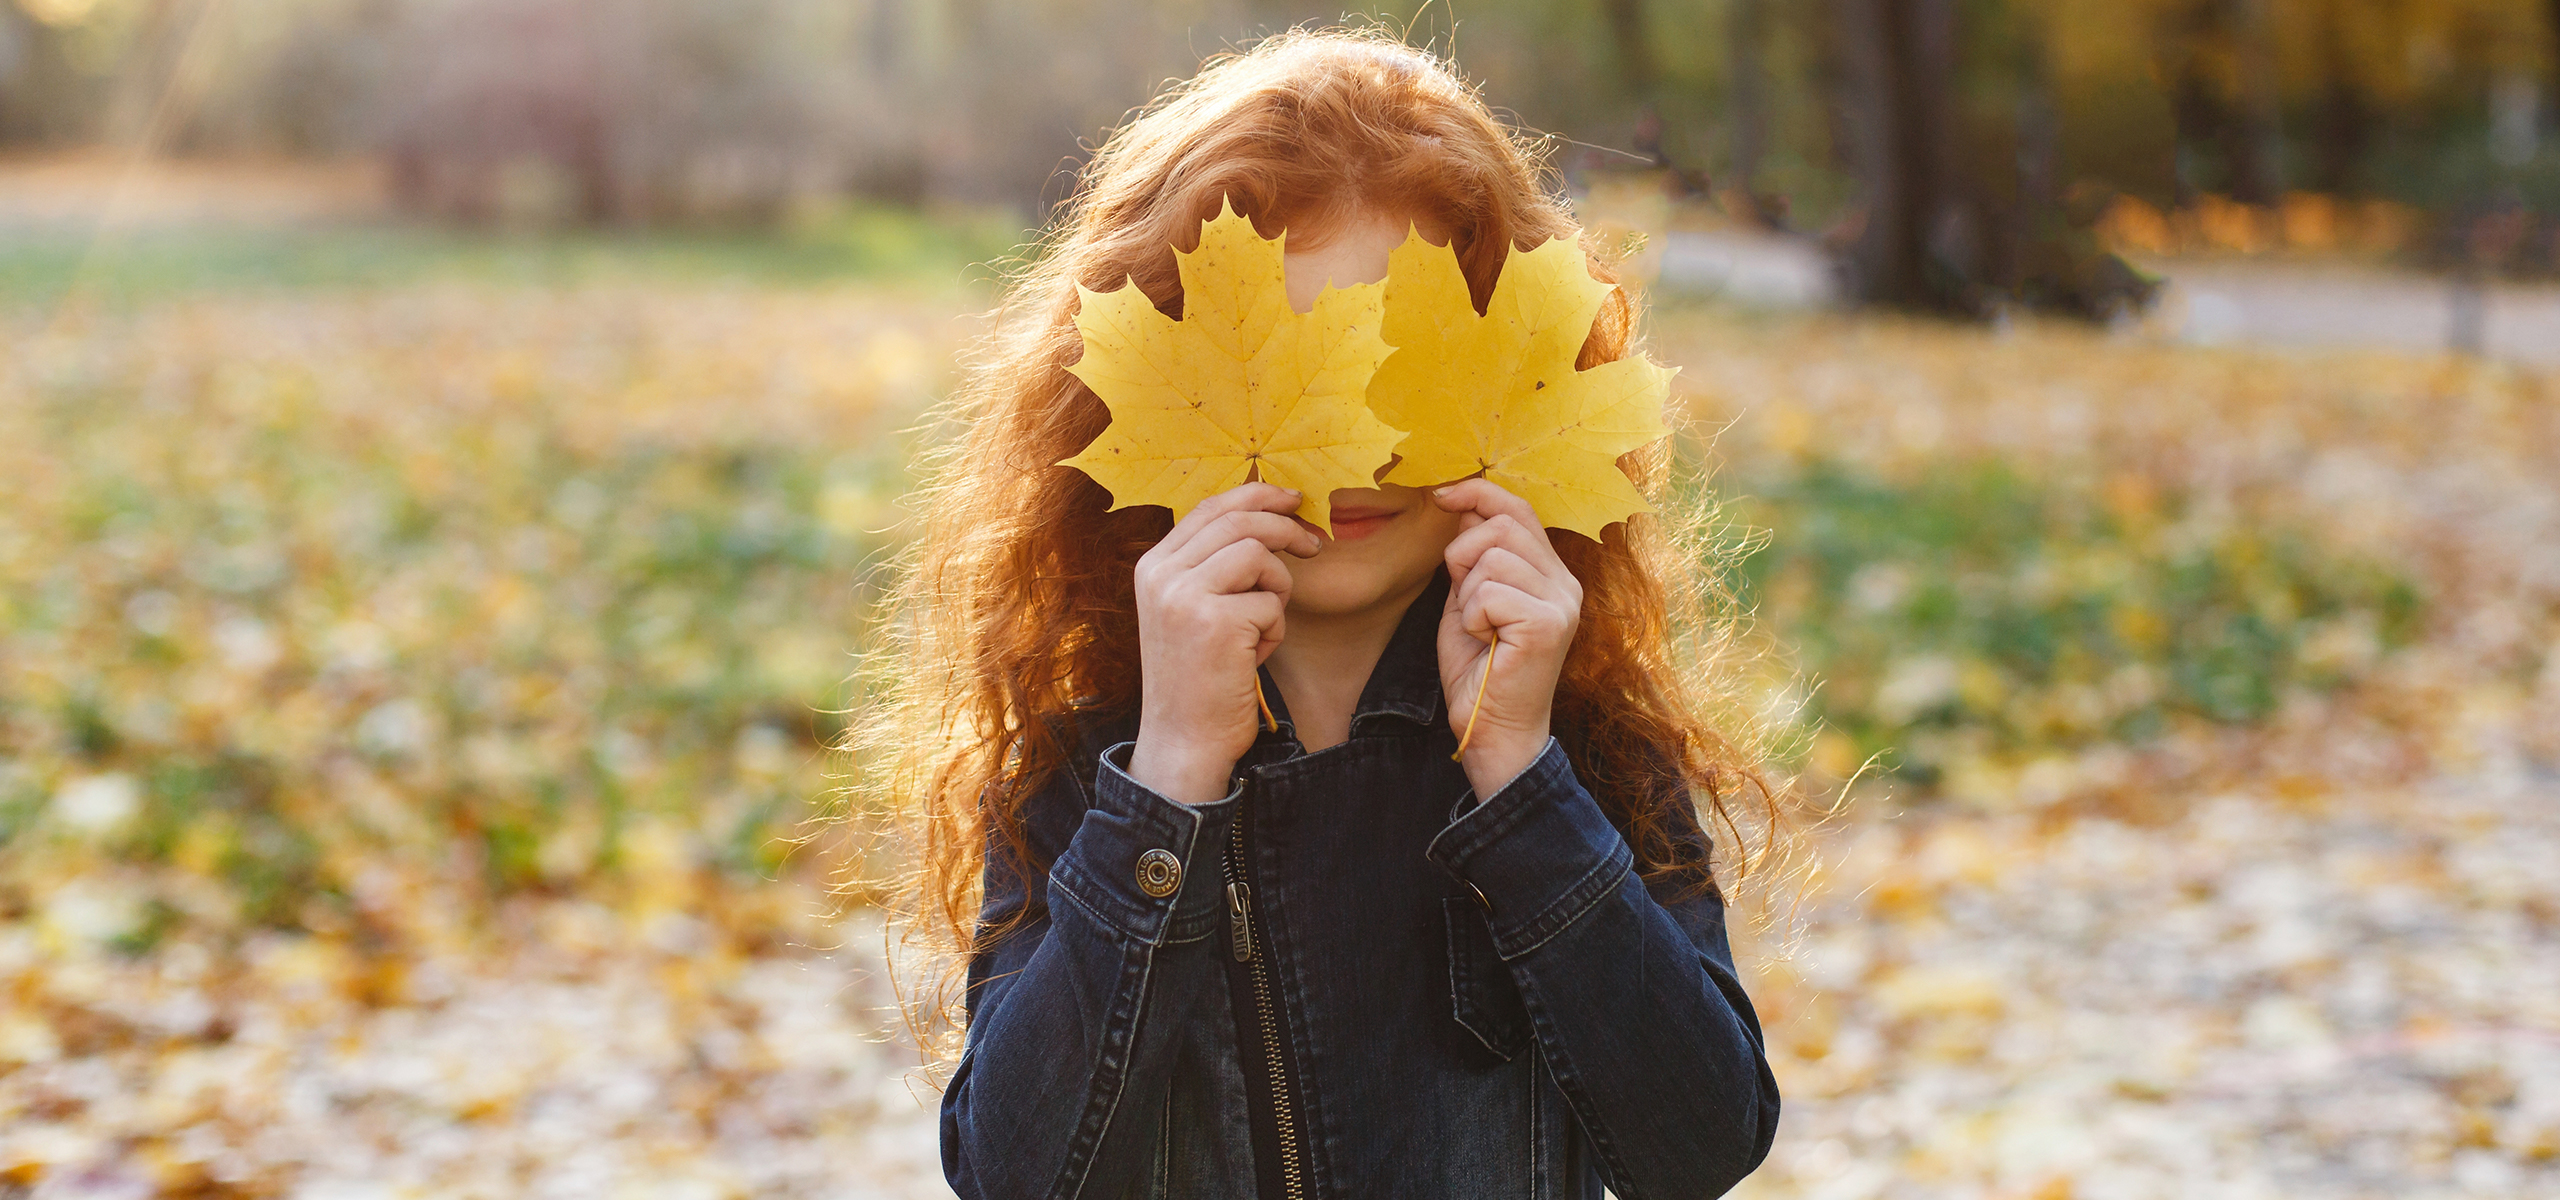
1405, 685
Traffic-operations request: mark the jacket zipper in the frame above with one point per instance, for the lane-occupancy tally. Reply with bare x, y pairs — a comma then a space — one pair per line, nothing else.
1275, 1068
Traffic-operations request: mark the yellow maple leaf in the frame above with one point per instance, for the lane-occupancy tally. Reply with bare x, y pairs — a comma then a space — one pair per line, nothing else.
1241, 385
1498, 394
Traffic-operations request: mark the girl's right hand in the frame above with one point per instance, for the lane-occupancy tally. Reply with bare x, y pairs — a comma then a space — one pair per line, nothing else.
1211, 601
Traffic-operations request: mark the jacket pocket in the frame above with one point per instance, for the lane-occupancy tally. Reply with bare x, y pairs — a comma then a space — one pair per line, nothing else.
1482, 995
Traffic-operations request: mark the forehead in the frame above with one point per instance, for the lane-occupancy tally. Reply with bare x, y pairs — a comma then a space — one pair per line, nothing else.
1352, 247
1317, 232
1356, 251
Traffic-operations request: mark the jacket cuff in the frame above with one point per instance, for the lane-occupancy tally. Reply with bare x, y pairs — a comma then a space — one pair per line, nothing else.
1540, 853
1106, 867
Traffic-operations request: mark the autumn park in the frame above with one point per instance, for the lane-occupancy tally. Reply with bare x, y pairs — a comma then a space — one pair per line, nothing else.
454, 454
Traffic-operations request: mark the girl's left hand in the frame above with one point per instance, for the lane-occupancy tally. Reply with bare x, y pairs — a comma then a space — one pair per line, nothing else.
1505, 584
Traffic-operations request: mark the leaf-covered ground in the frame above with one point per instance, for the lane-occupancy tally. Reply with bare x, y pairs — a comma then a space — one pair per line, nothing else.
402, 695
2279, 920
410, 701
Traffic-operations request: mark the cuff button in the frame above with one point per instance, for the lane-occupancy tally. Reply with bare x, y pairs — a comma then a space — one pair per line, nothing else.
1159, 873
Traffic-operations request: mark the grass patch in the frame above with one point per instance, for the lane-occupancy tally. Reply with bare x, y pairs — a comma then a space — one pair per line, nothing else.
1973, 612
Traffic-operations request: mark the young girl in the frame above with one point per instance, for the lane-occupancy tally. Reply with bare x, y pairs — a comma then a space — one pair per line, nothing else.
1210, 958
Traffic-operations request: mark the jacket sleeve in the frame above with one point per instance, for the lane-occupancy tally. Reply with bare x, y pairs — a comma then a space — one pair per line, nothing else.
1634, 1003
1062, 1079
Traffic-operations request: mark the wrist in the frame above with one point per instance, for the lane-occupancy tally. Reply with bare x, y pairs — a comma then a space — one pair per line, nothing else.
1177, 771
1491, 763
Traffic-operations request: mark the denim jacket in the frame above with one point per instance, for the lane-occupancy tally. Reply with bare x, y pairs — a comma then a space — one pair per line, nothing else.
1348, 978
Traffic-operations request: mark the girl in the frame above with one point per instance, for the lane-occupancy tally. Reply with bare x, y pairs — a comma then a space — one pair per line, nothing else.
1210, 958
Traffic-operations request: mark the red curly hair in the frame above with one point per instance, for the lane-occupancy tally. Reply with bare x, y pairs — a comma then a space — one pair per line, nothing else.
1015, 610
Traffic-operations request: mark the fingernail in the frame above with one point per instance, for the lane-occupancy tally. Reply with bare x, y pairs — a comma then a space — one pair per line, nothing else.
1440, 491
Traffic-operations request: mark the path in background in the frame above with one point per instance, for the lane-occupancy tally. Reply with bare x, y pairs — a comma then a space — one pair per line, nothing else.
2208, 302
2293, 304
82, 193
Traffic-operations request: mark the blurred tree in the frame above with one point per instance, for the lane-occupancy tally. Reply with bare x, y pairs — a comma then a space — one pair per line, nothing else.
508, 112
2258, 169
1747, 91
23, 51
45, 95
2223, 96
1898, 58
1634, 45
1640, 78
1954, 137
2343, 130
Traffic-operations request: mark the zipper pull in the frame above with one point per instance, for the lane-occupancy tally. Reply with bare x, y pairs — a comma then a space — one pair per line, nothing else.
1240, 919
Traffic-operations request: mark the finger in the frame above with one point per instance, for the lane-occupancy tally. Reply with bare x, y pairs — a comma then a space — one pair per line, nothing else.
1273, 531
1459, 644
1499, 606
1529, 542
1245, 566
1256, 496
1485, 498
1459, 573
1476, 538
1500, 565
1506, 511
1455, 604
1269, 614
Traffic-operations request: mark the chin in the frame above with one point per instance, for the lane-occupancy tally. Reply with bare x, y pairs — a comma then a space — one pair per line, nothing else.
1332, 584
1336, 587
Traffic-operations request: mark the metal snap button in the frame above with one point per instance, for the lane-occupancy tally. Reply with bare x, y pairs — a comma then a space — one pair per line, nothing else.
1159, 873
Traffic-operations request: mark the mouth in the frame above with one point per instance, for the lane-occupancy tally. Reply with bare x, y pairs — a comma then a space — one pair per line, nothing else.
1352, 523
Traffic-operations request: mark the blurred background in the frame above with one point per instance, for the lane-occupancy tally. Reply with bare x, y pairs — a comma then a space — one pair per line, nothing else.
447, 448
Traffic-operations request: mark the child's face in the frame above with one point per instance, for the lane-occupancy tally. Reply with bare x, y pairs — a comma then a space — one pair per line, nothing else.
1386, 540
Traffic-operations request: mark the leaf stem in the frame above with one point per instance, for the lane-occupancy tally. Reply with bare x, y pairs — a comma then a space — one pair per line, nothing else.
1477, 709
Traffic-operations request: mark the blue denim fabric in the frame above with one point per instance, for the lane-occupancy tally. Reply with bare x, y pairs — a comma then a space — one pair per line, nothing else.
1570, 1029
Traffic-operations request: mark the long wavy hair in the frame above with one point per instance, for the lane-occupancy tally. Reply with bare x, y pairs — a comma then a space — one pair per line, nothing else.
1013, 614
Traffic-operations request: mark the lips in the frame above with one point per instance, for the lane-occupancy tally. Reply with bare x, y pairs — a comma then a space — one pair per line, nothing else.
1350, 524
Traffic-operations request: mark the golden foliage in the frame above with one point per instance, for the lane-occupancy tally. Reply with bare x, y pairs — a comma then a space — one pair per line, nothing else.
1498, 394
1241, 387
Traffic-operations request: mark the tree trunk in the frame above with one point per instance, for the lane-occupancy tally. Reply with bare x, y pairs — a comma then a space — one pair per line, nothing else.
1634, 48
1897, 59
2551, 15
2194, 111
2033, 216
2551, 18
2345, 127
1750, 96
2257, 172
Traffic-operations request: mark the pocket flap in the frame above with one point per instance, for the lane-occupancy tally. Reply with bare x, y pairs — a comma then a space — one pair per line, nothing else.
1482, 995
